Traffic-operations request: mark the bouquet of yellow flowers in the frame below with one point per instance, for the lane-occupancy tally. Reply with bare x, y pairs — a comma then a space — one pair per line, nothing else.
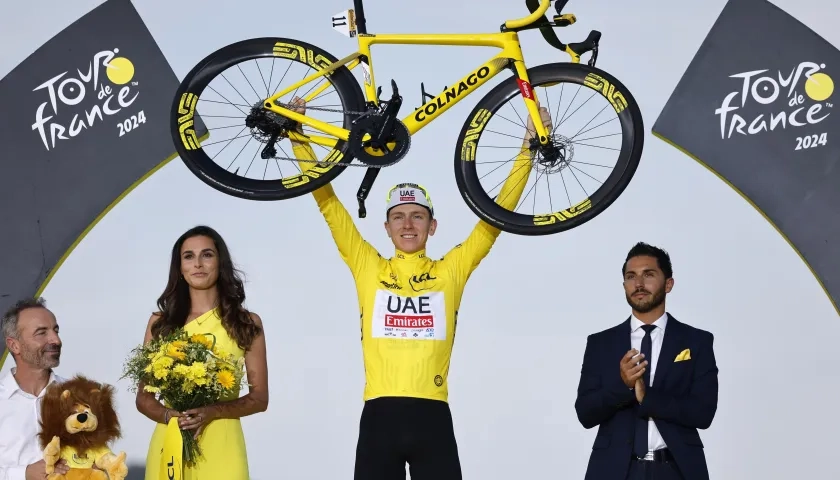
185, 371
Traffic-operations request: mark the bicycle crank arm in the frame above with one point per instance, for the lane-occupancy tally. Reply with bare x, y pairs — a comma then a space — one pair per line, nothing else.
364, 189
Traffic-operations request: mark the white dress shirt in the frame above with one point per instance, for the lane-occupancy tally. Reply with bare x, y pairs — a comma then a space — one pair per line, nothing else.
655, 441
19, 416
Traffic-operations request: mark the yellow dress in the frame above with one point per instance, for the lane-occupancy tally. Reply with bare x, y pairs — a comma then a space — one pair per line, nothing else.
222, 442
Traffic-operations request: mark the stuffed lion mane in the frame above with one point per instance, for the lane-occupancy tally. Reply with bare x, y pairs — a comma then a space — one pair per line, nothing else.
78, 422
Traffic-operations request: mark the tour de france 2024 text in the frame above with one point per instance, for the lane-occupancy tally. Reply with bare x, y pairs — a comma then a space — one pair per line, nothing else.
131, 123
811, 141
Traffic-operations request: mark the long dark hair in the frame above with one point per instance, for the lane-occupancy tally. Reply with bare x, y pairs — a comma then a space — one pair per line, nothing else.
174, 304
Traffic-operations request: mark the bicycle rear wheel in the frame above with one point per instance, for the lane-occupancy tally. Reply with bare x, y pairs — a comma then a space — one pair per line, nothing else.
244, 100
479, 139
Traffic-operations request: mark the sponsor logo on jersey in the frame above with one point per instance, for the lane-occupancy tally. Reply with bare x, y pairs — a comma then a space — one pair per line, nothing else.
422, 317
424, 281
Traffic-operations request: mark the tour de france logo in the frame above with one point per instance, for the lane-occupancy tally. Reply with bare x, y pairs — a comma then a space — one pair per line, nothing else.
86, 98
774, 100
119, 70
819, 87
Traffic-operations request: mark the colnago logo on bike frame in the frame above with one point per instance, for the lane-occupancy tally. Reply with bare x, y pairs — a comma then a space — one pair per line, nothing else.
451, 94
80, 99
744, 111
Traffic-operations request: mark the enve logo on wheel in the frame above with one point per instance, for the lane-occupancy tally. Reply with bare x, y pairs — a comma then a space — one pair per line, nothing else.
766, 102
80, 99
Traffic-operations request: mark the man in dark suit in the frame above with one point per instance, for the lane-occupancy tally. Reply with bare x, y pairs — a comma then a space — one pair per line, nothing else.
648, 383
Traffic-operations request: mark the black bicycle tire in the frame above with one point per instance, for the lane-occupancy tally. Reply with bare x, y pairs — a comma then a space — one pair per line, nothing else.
485, 206
208, 171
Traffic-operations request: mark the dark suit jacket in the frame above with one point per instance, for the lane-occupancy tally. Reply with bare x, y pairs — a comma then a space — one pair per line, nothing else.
683, 398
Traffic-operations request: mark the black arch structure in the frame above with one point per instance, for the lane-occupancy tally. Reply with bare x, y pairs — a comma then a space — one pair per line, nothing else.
788, 165
55, 188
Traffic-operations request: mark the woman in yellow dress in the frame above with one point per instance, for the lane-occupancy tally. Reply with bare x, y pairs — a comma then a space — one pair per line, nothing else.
205, 295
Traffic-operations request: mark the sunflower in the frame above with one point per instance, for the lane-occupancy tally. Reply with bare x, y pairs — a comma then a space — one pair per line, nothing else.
202, 339
225, 378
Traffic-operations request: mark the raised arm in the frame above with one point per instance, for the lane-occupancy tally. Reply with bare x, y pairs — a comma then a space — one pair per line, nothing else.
353, 248
472, 251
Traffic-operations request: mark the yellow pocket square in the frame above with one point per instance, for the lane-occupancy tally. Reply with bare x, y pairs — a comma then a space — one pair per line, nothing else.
684, 355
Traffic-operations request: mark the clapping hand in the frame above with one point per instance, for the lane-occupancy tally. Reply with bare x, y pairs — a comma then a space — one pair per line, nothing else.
632, 367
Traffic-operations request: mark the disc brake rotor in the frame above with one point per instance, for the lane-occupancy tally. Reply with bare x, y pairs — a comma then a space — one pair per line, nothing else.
555, 159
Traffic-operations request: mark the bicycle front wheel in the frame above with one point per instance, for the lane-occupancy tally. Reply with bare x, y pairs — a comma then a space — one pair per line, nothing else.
493, 136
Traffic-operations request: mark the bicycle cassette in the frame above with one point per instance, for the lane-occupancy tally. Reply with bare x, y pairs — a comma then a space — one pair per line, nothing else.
373, 154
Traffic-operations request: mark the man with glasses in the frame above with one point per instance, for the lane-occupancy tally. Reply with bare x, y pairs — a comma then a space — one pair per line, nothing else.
409, 311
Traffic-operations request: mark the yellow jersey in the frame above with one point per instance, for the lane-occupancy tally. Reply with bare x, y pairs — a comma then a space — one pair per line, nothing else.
408, 303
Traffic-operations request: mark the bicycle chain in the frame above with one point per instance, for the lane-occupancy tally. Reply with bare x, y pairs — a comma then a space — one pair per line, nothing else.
290, 107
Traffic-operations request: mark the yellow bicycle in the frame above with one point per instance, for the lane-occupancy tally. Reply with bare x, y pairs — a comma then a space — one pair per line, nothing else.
369, 129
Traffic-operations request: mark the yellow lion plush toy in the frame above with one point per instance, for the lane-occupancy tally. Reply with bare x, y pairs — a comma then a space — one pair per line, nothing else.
78, 421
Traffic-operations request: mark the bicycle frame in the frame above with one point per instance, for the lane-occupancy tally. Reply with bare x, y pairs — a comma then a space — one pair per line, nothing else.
511, 53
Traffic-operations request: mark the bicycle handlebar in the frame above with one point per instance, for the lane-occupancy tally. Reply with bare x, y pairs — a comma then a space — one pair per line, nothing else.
533, 17
546, 27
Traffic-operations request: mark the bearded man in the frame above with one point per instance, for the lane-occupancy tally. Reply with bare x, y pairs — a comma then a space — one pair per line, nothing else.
30, 331
648, 430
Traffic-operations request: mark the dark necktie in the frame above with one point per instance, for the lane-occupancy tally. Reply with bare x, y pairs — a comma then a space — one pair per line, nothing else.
640, 445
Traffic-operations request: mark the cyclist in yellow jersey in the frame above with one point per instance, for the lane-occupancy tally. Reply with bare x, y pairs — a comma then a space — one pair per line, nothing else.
409, 311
